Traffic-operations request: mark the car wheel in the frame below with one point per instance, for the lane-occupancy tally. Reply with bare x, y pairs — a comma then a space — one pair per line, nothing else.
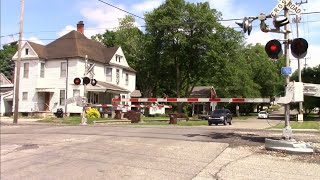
225, 122
209, 123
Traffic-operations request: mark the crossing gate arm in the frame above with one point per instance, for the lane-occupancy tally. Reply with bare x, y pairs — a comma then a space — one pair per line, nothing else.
228, 100
126, 105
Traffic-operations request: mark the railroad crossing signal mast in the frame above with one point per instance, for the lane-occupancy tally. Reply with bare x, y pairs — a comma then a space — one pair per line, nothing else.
273, 48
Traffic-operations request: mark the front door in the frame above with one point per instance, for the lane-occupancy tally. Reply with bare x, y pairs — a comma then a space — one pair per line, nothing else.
46, 101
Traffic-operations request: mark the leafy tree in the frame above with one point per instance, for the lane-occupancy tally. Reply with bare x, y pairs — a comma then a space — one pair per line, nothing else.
191, 47
265, 72
6, 54
108, 38
184, 45
131, 40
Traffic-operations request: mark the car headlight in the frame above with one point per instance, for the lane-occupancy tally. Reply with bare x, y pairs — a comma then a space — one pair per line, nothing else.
221, 118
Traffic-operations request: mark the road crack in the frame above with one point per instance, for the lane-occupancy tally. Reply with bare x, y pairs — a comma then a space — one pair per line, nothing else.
216, 176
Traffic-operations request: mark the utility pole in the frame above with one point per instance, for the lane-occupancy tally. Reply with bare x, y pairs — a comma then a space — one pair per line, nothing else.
287, 131
297, 20
305, 62
17, 77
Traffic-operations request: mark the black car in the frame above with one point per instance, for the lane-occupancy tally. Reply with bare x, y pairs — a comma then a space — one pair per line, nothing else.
220, 116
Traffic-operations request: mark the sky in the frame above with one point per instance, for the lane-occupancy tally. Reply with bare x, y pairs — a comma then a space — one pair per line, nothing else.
45, 20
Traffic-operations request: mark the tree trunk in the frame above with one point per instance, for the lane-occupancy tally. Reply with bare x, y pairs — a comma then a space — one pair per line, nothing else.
178, 83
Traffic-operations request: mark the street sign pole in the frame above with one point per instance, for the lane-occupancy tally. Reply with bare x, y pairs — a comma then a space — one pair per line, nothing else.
84, 119
287, 131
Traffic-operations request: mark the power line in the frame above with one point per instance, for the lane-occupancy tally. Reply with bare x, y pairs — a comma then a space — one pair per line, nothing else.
169, 24
121, 9
9, 35
314, 12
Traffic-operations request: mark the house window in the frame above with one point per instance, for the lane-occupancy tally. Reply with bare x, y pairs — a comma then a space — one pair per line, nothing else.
108, 74
25, 96
26, 70
127, 79
76, 92
42, 70
118, 76
118, 58
63, 69
93, 98
62, 97
27, 51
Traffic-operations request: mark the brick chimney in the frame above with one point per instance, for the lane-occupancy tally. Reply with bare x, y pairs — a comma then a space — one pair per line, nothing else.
80, 27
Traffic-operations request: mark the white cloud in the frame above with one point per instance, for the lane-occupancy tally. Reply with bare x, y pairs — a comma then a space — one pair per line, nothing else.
228, 10
66, 30
6, 40
35, 40
258, 37
146, 6
313, 58
102, 15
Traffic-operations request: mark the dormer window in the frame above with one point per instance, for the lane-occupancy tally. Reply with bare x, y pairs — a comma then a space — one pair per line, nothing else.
27, 51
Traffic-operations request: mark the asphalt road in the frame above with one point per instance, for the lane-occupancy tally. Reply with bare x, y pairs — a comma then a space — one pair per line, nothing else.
149, 152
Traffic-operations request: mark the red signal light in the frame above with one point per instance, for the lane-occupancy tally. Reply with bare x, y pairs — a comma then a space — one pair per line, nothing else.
77, 81
274, 49
299, 47
86, 80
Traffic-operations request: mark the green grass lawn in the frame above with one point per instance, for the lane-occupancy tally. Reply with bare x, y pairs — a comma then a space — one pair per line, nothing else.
307, 124
68, 120
154, 118
146, 121
244, 117
301, 125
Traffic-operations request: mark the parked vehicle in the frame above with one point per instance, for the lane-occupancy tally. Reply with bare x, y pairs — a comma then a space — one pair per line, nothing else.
203, 116
220, 116
263, 115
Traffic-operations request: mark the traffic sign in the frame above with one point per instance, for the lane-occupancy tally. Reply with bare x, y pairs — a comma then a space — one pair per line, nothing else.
286, 70
276, 10
295, 8
90, 68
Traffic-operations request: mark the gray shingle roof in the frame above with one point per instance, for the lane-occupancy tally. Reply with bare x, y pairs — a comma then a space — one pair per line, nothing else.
203, 91
75, 44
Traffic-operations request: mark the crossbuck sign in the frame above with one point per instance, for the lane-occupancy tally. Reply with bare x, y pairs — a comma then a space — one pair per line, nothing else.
295, 8
89, 69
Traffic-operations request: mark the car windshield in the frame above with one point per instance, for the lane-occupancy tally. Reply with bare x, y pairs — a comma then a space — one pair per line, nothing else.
262, 112
219, 111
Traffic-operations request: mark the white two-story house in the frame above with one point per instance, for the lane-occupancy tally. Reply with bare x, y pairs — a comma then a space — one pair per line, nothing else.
47, 73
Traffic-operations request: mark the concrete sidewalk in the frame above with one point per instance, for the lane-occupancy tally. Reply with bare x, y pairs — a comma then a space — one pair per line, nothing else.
9, 120
243, 163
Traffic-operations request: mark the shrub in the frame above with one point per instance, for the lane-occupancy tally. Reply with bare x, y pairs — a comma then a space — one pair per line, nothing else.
92, 113
182, 115
133, 116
